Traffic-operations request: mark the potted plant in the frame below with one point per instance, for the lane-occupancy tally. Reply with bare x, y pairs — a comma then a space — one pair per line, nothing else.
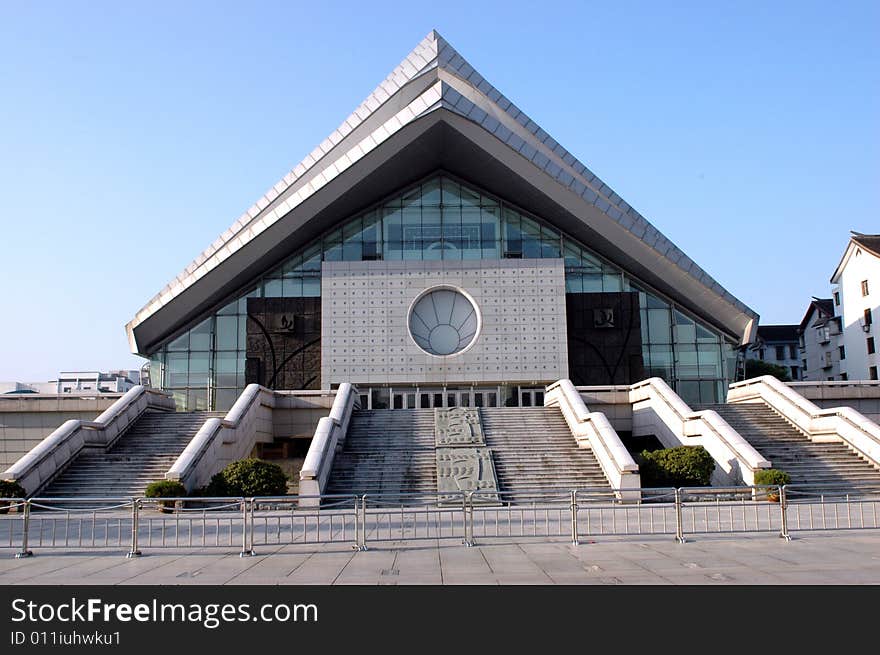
165, 489
9, 489
774, 478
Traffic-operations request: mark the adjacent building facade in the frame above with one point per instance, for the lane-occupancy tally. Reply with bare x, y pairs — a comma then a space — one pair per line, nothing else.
439, 249
857, 295
780, 345
820, 341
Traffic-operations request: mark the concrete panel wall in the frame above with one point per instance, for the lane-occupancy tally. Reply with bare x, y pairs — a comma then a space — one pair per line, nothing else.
365, 337
25, 420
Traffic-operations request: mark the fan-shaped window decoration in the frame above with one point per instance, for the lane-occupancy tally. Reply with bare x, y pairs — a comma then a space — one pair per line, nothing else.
444, 321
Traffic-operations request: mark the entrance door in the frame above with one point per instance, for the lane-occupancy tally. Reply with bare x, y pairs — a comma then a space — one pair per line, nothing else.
531, 397
402, 400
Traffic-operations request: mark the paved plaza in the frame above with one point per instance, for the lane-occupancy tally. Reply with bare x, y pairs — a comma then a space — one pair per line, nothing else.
811, 558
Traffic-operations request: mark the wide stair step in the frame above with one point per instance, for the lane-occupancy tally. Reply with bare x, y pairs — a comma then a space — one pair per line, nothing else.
788, 449
533, 448
387, 452
140, 456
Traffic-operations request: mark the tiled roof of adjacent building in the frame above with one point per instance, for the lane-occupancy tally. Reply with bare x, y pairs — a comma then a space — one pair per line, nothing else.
870, 242
769, 333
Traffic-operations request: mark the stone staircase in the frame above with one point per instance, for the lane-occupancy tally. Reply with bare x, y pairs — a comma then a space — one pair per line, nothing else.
387, 451
790, 450
533, 448
140, 456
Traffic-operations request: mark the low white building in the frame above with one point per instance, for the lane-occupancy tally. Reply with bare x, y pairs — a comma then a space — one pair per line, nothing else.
820, 341
857, 293
78, 382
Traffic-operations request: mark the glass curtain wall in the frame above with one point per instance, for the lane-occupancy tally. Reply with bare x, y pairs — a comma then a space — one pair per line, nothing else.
438, 219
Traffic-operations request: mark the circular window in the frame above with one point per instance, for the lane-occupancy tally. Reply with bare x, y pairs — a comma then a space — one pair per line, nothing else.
444, 321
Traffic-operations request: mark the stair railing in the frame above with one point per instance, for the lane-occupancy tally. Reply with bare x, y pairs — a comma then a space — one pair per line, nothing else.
329, 437
679, 423
836, 424
594, 429
220, 441
42, 463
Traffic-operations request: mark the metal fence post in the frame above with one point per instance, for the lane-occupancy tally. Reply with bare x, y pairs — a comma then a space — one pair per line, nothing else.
25, 551
133, 551
357, 524
362, 546
679, 525
574, 518
783, 507
245, 551
467, 517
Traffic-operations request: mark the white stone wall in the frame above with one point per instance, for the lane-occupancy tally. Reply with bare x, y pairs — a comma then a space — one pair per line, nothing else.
864, 266
365, 338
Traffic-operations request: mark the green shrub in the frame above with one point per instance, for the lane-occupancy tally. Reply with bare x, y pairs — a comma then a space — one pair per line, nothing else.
11, 489
773, 477
248, 477
682, 466
165, 489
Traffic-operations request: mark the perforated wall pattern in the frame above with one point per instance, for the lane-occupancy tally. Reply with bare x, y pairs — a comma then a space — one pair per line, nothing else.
366, 313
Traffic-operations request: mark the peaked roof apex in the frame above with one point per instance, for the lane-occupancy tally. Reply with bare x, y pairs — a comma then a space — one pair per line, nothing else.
435, 77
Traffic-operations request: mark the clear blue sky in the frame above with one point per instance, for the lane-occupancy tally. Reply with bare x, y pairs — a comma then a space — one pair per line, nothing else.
133, 133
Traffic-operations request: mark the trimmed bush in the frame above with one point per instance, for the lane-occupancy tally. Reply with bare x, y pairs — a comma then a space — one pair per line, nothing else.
773, 477
165, 489
11, 489
682, 466
248, 477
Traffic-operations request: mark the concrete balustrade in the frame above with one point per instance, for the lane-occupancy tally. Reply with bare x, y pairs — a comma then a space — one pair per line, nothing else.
258, 416
328, 440
54, 453
593, 430
836, 424
658, 410
221, 441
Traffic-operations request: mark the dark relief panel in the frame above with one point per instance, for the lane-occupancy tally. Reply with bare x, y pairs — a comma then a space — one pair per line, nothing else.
284, 343
604, 338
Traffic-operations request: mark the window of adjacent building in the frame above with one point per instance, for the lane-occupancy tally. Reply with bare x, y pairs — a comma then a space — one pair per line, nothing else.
793, 351
780, 353
761, 353
794, 372
870, 342
842, 352
864, 287
804, 364
837, 298
872, 372
869, 317
844, 376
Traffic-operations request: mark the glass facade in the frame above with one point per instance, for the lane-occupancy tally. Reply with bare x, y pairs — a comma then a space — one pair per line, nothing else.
439, 219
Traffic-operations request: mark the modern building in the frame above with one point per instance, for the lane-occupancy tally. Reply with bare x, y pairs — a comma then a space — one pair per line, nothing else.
857, 296
439, 249
821, 346
780, 345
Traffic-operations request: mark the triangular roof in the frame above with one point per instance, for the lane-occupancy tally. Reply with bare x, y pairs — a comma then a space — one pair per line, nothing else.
441, 112
867, 242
